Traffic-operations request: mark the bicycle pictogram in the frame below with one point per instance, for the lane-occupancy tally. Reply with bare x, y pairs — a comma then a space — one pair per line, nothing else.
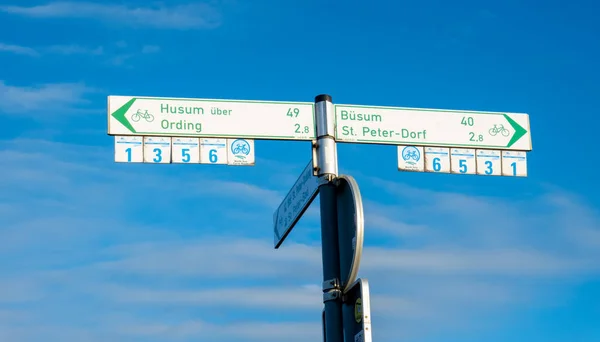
240, 147
139, 114
411, 152
411, 155
499, 129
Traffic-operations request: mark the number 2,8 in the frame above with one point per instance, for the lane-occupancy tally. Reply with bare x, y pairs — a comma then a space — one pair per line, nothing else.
299, 128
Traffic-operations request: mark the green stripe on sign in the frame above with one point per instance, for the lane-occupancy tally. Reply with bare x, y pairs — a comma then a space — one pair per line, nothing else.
519, 131
119, 115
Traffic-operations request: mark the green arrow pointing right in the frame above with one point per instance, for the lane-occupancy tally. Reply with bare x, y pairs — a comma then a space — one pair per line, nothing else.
119, 115
519, 131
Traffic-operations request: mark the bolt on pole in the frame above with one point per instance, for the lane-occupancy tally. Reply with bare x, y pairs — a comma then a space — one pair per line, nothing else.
327, 168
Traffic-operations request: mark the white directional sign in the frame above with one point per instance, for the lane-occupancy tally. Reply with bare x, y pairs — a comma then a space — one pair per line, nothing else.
129, 149
514, 163
295, 204
462, 160
488, 163
176, 117
157, 150
411, 158
432, 127
437, 159
240, 151
185, 150
213, 151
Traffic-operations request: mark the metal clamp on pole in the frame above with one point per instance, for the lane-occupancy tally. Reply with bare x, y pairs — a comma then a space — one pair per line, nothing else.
327, 170
332, 295
331, 290
331, 284
326, 148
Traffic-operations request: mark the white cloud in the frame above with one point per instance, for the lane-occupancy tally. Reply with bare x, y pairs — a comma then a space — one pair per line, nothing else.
150, 49
39, 100
194, 330
380, 220
120, 59
254, 298
19, 290
245, 191
503, 262
75, 49
109, 55
192, 16
19, 50
264, 331
163, 275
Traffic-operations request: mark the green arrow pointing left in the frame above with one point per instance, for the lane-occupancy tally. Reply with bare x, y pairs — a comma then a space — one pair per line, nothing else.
119, 115
519, 131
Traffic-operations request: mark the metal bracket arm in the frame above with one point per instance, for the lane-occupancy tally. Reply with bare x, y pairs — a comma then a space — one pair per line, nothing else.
331, 284
332, 295
325, 149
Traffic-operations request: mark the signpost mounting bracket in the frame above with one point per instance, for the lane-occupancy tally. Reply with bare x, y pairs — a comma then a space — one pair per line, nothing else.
315, 156
326, 150
332, 295
331, 284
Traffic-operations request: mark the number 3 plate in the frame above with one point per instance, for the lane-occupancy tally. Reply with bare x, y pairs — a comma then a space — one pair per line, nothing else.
157, 150
488, 163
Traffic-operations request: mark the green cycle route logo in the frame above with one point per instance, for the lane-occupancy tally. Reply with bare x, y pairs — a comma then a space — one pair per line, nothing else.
137, 116
499, 129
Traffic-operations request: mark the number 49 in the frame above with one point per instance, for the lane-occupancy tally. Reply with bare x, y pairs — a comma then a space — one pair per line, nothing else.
293, 112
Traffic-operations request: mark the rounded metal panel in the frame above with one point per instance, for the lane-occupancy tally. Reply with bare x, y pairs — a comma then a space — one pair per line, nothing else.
351, 225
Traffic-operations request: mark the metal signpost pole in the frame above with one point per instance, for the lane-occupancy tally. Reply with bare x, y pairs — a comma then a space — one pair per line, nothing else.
327, 169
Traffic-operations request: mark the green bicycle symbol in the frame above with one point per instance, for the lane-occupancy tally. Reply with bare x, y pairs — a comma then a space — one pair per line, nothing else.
499, 129
139, 114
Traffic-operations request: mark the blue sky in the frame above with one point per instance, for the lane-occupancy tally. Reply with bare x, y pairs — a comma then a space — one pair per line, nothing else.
91, 250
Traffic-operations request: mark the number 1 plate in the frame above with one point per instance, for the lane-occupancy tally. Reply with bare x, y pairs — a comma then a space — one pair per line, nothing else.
129, 149
514, 163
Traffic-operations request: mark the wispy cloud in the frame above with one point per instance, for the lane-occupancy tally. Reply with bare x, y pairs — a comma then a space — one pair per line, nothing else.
150, 49
155, 252
74, 49
191, 16
19, 291
117, 55
193, 330
19, 50
58, 96
257, 298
